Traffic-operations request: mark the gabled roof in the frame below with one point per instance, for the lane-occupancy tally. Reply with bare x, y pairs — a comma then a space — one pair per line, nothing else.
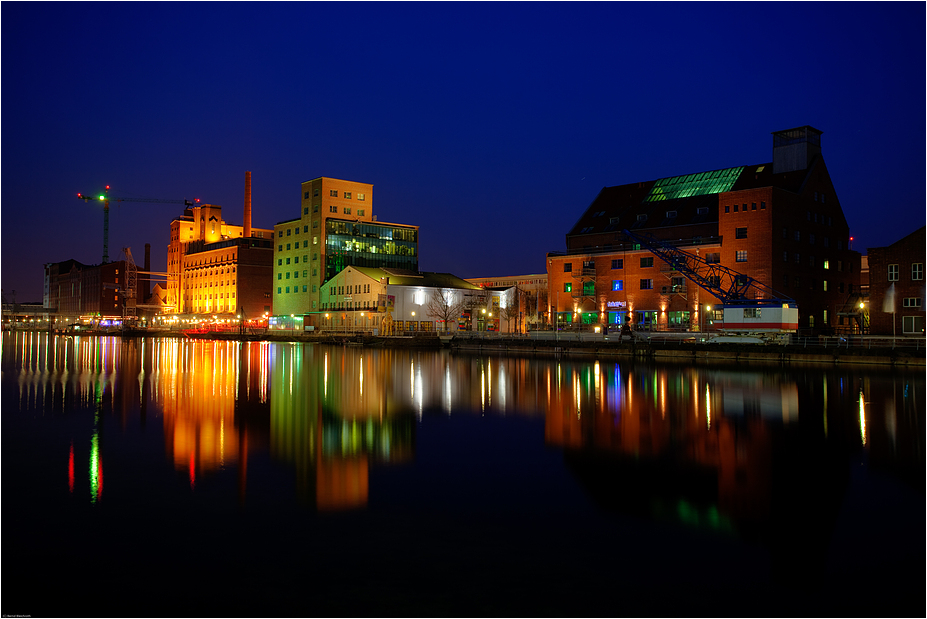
405, 277
677, 200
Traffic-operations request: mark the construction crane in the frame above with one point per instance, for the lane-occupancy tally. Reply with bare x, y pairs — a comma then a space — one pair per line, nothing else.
105, 198
763, 308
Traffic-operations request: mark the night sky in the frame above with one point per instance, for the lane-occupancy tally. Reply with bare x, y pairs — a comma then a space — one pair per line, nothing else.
491, 126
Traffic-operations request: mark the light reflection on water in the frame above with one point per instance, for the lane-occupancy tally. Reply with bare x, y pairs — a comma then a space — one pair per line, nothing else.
731, 450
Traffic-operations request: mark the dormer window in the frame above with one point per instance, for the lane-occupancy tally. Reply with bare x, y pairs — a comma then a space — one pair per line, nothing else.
702, 210
641, 218
670, 214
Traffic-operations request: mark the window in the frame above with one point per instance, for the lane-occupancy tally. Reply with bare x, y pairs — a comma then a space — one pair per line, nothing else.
727, 208
567, 267
740, 233
288, 261
288, 231
278, 289
825, 289
753, 206
911, 302
810, 261
912, 324
646, 284
279, 262
785, 233
797, 258
826, 265
762, 206
361, 197
647, 262
893, 272
306, 242
713, 258
618, 264
288, 277
305, 228
305, 273
742, 256
332, 209
280, 233
917, 271
642, 218
753, 312
315, 192
305, 195
347, 195
785, 256
568, 287
797, 235
306, 208
826, 241
279, 275
288, 247
315, 208
360, 212
347, 210
617, 284
588, 288
333, 193
735, 208
811, 239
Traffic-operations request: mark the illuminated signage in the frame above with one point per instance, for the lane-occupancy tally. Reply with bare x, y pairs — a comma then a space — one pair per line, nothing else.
617, 304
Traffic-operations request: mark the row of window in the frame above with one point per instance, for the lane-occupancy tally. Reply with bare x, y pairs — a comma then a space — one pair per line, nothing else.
737, 207
296, 260
315, 224
334, 194
795, 282
796, 235
315, 241
358, 289
917, 272
221, 295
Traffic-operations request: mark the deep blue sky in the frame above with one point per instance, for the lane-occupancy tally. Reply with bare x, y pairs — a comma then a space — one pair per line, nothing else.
491, 126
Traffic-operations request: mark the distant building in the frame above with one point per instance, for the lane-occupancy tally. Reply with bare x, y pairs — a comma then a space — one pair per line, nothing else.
94, 292
779, 222
896, 286
336, 229
528, 293
215, 267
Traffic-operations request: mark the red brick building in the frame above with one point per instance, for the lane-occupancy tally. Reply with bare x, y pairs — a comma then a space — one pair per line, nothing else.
75, 289
779, 222
896, 282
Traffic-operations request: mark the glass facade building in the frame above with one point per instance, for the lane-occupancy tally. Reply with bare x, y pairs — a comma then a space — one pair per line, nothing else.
369, 244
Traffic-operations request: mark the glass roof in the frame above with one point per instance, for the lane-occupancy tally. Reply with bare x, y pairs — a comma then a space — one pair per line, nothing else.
700, 184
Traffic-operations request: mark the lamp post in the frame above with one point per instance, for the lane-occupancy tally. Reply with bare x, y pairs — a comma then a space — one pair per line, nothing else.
705, 318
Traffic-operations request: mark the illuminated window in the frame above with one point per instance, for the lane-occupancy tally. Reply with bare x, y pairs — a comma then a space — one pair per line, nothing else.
333, 193
617, 284
568, 287
347, 195
333, 209
741, 256
826, 265
361, 197
360, 212
347, 210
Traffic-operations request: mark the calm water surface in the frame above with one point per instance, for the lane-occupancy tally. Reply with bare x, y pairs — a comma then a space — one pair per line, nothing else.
196, 478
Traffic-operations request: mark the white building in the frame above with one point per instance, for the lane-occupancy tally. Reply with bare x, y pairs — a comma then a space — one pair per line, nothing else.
362, 298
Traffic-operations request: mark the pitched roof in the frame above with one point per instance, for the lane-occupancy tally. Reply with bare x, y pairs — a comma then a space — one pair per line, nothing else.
425, 279
677, 200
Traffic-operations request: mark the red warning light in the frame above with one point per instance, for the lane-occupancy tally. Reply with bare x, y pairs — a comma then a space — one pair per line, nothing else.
197, 199
107, 188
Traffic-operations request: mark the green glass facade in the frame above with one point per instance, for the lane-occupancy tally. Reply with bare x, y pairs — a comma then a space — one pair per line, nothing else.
369, 245
701, 184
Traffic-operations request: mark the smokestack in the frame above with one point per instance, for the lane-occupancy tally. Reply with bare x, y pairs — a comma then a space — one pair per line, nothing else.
145, 280
247, 223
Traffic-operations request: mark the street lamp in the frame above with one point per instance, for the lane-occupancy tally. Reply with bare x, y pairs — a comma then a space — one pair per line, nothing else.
704, 318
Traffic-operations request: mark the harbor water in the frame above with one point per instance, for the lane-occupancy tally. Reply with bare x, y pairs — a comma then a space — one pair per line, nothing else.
173, 477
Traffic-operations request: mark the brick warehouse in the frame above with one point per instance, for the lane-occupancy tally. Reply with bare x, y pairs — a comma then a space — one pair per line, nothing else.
899, 268
779, 222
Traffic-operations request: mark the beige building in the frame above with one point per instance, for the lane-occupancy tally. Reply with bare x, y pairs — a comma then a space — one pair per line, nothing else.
336, 229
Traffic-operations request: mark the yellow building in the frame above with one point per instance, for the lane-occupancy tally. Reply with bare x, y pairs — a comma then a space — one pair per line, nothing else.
204, 275
336, 229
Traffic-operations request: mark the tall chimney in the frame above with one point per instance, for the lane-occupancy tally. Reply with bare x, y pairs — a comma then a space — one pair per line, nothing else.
247, 223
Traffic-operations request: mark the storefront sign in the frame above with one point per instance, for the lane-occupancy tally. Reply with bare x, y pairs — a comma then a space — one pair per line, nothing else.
617, 304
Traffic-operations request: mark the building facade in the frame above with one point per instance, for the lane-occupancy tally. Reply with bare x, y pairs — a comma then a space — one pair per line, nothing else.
336, 229
203, 271
778, 222
528, 295
896, 286
361, 298
75, 289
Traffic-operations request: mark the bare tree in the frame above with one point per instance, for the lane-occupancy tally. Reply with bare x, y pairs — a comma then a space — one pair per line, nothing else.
443, 307
511, 310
